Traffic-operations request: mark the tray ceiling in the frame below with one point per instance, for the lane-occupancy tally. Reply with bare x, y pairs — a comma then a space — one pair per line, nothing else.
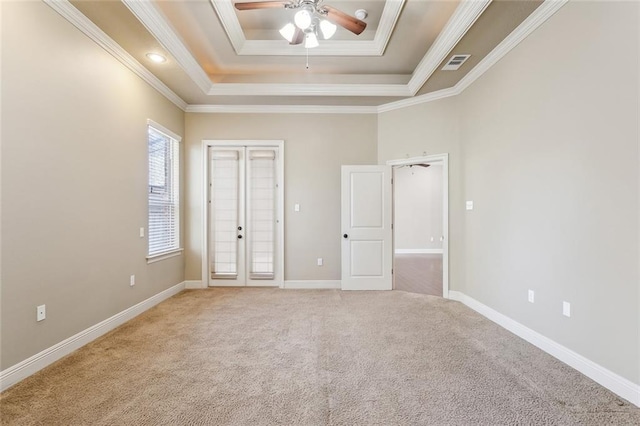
217, 55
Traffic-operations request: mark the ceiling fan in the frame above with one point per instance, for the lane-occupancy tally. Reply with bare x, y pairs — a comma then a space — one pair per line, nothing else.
311, 19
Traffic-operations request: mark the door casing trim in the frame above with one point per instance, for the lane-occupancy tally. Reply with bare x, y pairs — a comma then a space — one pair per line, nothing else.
444, 160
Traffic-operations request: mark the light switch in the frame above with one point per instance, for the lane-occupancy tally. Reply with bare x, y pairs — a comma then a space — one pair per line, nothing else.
141, 232
566, 309
296, 207
469, 205
531, 296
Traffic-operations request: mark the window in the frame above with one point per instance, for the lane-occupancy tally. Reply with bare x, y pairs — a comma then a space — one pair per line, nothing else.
164, 196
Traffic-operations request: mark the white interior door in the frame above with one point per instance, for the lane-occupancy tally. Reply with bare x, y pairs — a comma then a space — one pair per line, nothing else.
243, 218
367, 255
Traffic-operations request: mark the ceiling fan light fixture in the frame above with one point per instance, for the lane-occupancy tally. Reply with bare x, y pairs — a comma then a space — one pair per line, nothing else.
302, 18
288, 32
328, 29
311, 40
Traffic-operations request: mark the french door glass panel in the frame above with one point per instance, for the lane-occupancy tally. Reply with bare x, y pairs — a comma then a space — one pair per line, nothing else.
224, 212
261, 196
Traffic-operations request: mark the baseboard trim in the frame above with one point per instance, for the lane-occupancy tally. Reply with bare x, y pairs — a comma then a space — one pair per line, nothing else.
610, 380
37, 362
312, 284
194, 284
418, 251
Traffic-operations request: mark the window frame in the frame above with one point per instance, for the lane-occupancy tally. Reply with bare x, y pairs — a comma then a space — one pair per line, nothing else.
174, 168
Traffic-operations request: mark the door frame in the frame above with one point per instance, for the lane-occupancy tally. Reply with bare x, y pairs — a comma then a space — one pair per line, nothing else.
444, 159
206, 144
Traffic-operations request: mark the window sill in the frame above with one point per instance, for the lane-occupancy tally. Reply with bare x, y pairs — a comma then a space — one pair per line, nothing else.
163, 256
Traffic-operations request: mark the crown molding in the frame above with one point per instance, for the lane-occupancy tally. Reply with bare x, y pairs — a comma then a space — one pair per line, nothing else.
231, 89
155, 23
462, 19
528, 26
388, 20
244, 47
230, 23
417, 100
282, 109
91, 30
326, 48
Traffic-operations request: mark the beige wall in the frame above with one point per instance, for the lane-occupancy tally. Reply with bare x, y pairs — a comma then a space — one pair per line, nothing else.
315, 148
550, 147
74, 178
417, 210
548, 152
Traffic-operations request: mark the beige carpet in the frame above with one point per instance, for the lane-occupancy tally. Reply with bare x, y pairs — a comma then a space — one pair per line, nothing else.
268, 356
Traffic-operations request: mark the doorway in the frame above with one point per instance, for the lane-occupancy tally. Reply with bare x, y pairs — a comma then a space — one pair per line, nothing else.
420, 234
243, 237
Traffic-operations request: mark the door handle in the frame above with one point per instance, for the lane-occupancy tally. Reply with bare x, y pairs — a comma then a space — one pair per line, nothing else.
239, 228
239, 237
345, 236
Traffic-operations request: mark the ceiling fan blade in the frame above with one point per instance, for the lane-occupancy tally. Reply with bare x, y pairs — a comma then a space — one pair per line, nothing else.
338, 17
261, 4
298, 37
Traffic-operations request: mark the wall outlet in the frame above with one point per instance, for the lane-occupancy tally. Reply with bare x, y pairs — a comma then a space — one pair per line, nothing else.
431, 239
132, 280
566, 309
41, 312
319, 261
531, 296
469, 205
141, 232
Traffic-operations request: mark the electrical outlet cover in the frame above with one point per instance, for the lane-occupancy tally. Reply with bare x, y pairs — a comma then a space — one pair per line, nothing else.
41, 312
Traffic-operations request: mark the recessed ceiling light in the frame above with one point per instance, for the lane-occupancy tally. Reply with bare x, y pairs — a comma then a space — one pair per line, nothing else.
156, 58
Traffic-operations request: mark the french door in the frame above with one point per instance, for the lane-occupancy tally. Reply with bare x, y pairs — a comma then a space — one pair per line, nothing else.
244, 225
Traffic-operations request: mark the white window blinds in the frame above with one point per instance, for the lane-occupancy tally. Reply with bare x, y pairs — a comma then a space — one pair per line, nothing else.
164, 184
225, 173
262, 213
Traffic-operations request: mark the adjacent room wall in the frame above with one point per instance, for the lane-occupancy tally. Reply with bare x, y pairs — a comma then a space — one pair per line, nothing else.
417, 214
74, 182
548, 152
315, 148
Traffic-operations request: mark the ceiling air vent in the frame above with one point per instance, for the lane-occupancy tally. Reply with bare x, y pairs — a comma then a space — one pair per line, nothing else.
455, 62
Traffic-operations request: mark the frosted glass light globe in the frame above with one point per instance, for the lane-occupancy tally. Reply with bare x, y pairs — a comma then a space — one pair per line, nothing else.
302, 19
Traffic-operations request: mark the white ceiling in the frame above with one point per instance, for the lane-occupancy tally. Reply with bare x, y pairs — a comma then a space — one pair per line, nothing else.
220, 56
